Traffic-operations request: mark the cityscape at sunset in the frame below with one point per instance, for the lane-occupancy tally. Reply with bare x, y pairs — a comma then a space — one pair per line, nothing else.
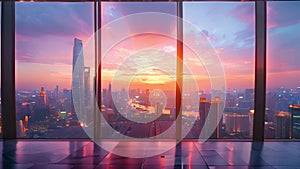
46, 58
150, 84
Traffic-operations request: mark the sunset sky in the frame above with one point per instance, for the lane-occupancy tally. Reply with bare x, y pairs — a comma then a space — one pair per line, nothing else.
45, 33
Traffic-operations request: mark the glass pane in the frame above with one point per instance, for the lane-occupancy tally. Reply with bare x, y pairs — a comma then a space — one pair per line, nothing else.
48, 37
138, 73
283, 85
225, 30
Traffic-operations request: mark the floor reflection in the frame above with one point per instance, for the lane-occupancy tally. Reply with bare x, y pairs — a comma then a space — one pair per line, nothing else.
72, 154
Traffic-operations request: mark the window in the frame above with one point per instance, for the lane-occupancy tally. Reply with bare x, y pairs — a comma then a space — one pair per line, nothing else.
283, 70
229, 28
138, 73
49, 40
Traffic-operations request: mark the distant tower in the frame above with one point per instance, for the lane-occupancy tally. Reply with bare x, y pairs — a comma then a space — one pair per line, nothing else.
78, 76
282, 125
87, 93
215, 109
251, 120
295, 113
56, 92
109, 101
210, 118
104, 95
249, 94
146, 101
203, 111
158, 100
42, 97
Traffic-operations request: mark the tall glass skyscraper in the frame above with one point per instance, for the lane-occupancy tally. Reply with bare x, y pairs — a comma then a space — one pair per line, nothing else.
78, 78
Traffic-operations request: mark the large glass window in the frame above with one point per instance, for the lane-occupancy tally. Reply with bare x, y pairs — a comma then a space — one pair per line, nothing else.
138, 73
283, 84
229, 28
49, 40
129, 60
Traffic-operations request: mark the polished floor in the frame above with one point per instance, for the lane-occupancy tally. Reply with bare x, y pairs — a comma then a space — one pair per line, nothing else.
87, 155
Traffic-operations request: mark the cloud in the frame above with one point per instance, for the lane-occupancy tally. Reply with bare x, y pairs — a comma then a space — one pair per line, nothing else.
283, 14
113, 10
45, 31
45, 50
60, 19
244, 13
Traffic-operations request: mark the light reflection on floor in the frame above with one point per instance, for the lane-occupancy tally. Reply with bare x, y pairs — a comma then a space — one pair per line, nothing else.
85, 154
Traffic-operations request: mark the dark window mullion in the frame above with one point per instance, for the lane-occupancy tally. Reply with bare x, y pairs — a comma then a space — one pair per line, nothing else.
8, 102
260, 70
179, 69
97, 26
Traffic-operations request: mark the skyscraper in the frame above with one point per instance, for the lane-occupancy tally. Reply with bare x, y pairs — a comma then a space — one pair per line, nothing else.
295, 113
146, 101
158, 101
215, 109
78, 77
212, 119
249, 94
42, 97
87, 93
56, 92
203, 111
78, 55
282, 125
251, 120
108, 97
237, 123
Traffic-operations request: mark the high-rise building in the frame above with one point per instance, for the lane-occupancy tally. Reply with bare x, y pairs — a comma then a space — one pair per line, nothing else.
42, 97
108, 98
78, 54
230, 100
87, 93
203, 111
104, 95
215, 109
282, 125
158, 101
272, 101
78, 77
56, 92
146, 101
298, 95
212, 119
249, 94
237, 123
295, 113
251, 121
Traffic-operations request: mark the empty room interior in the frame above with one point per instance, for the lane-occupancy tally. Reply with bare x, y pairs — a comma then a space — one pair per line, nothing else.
203, 84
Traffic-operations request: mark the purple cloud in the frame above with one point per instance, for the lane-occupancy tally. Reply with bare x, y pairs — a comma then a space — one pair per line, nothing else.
283, 14
60, 19
245, 13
